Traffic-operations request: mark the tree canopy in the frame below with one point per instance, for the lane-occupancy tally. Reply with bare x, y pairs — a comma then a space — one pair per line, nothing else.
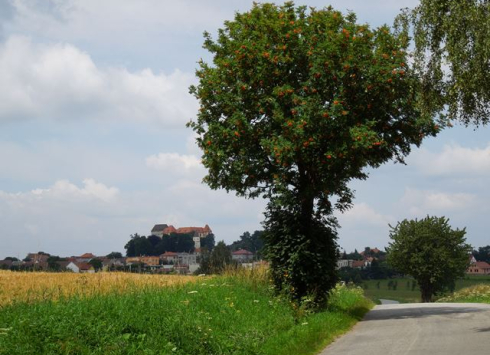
452, 57
296, 103
155, 245
251, 242
430, 251
482, 254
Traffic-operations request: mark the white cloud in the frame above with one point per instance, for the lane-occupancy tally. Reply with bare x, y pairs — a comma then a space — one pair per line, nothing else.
70, 219
362, 213
109, 19
421, 202
174, 163
60, 81
453, 159
65, 190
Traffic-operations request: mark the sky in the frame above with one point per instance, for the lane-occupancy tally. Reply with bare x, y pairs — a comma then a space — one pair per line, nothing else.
93, 145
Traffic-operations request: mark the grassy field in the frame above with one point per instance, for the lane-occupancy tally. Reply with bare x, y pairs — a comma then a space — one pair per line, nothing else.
404, 292
234, 314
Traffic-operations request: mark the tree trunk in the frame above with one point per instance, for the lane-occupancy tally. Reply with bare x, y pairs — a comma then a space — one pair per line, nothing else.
426, 293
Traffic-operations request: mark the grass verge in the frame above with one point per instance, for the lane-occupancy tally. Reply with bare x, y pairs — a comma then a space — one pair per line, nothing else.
473, 294
221, 315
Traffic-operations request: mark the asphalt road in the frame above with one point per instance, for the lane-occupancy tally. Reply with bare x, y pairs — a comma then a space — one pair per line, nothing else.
419, 329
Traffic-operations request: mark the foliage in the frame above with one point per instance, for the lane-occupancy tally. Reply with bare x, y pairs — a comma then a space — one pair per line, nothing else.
302, 262
53, 264
155, 245
482, 254
295, 105
473, 294
431, 252
215, 262
379, 270
96, 263
452, 58
208, 242
352, 256
219, 315
251, 242
177, 243
137, 245
114, 255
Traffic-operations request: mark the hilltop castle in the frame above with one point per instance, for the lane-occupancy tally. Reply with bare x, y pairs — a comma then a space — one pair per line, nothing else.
197, 232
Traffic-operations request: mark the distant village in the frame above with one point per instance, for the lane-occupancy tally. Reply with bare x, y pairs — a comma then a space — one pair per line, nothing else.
189, 262
167, 262
365, 260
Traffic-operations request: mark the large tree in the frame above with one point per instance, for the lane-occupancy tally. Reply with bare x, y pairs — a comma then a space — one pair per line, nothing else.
452, 57
296, 103
430, 251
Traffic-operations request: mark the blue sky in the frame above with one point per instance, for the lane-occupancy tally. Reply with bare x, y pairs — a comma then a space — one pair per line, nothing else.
93, 145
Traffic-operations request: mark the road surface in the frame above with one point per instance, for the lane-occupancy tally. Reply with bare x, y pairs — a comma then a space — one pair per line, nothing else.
419, 329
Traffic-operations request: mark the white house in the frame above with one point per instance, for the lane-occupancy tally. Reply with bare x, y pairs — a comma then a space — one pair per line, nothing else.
242, 256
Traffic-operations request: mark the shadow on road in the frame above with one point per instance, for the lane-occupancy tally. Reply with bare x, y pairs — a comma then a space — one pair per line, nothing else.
482, 330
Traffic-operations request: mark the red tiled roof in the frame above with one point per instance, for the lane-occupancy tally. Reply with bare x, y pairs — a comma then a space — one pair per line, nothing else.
482, 265
242, 252
169, 229
84, 266
87, 255
357, 263
204, 229
169, 253
186, 230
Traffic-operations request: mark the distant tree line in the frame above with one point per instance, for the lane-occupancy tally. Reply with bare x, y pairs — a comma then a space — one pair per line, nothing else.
368, 252
154, 245
482, 254
378, 270
251, 242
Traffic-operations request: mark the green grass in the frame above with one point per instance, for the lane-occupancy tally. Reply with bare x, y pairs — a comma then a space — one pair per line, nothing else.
405, 294
474, 294
223, 315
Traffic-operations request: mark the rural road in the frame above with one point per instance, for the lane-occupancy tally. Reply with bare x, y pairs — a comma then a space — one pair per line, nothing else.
419, 329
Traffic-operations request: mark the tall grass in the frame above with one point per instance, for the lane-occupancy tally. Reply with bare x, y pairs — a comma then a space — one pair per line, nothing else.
473, 294
235, 313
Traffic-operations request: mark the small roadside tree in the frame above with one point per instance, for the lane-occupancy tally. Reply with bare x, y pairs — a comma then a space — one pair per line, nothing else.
297, 103
431, 252
220, 257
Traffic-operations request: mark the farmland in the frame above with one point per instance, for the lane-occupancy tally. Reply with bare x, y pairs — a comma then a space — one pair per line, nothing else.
152, 314
19, 287
404, 292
